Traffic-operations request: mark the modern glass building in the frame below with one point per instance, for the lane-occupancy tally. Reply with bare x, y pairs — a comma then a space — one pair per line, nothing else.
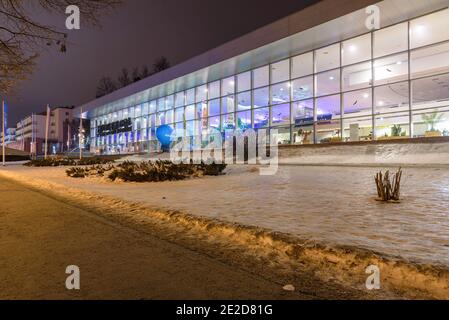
333, 80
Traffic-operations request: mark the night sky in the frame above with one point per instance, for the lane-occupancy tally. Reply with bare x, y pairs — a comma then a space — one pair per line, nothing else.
135, 34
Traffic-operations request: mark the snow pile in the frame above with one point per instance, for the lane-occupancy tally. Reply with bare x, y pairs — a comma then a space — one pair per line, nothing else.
301, 219
405, 154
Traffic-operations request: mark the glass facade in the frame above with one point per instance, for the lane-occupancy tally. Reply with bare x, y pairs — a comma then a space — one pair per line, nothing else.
386, 84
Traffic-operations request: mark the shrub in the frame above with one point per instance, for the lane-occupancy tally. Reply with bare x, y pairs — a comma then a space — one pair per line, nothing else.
163, 171
76, 172
148, 171
58, 162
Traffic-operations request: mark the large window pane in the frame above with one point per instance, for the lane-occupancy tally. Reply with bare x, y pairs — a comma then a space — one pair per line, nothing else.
244, 120
357, 103
357, 76
169, 102
214, 107
431, 92
302, 88
280, 71
303, 134
228, 121
302, 65
356, 50
328, 108
281, 135
201, 93
280, 93
327, 58
244, 81
261, 97
431, 122
328, 131
180, 99
152, 107
392, 126
327, 83
190, 112
179, 114
391, 40
261, 77
214, 122
391, 98
228, 104
391, 69
190, 96
261, 118
430, 29
302, 113
169, 117
280, 115
430, 60
161, 119
160, 105
328, 114
214, 90
227, 86
358, 129
244, 101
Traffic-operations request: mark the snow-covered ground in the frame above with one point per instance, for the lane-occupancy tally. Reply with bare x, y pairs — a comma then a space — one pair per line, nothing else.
331, 205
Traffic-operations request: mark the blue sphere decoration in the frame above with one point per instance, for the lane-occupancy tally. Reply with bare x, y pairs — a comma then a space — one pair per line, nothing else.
163, 134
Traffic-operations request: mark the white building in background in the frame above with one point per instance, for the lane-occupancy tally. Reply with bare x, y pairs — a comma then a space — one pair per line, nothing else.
62, 132
318, 76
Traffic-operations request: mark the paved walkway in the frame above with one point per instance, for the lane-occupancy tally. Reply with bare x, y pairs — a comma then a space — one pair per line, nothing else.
40, 237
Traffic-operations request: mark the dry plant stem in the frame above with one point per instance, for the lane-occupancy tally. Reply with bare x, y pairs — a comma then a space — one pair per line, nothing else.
388, 189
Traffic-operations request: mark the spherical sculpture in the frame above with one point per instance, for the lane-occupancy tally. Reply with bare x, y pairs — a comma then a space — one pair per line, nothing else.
163, 134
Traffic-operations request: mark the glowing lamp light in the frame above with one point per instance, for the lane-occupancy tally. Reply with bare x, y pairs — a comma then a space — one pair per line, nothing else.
420, 29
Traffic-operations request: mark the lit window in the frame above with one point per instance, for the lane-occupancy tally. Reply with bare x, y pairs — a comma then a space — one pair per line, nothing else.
430, 29
357, 76
280, 71
391, 40
260, 77
302, 65
327, 83
327, 58
391, 69
214, 90
244, 81
227, 86
356, 50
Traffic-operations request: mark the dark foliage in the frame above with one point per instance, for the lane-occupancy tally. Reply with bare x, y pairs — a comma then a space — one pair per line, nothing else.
148, 171
59, 162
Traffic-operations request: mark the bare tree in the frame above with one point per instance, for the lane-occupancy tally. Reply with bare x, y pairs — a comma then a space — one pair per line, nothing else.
105, 86
160, 64
145, 72
123, 78
136, 75
22, 37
